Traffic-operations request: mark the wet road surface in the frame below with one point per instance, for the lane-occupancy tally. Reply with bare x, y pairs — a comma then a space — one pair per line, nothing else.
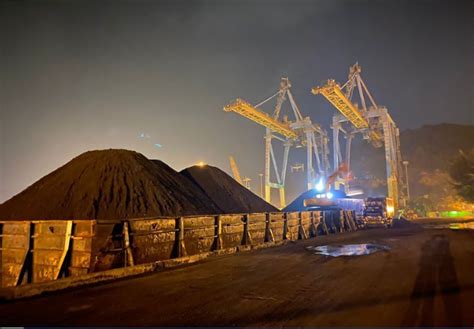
425, 279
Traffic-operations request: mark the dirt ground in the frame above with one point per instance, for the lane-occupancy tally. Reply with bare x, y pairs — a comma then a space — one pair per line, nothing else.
426, 279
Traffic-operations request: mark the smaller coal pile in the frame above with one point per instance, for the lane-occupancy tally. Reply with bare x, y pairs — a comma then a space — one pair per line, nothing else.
334, 200
226, 192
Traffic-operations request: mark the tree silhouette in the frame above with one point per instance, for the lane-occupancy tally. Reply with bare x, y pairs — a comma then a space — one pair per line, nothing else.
462, 175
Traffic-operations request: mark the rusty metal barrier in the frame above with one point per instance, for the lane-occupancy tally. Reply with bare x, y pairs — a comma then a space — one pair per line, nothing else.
81, 247
199, 234
38, 251
14, 249
153, 239
51, 241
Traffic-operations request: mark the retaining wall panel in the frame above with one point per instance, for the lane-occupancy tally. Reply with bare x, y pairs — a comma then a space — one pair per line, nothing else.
107, 239
276, 224
50, 245
306, 221
199, 234
14, 250
292, 225
81, 254
232, 230
257, 225
152, 239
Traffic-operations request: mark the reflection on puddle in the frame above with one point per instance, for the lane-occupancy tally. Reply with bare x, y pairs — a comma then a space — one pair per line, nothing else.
462, 226
452, 226
348, 249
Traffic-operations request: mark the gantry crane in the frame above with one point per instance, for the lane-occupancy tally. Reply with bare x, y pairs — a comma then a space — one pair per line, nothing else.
374, 123
300, 132
235, 172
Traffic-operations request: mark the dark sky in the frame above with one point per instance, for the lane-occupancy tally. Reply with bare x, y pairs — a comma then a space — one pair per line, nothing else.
77, 76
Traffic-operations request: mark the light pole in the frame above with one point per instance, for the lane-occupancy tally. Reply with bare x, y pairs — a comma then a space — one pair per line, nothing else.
261, 185
405, 163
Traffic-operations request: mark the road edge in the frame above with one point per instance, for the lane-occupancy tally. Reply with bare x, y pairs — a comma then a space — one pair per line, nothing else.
37, 289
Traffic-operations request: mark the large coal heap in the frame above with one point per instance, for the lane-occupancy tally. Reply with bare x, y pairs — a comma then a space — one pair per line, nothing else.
109, 184
227, 194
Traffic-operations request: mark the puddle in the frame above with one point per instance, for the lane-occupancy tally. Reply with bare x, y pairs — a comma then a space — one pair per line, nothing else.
452, 226
462, 226
348, 249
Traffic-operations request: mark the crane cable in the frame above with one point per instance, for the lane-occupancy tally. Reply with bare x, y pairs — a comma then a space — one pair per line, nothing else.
263, 102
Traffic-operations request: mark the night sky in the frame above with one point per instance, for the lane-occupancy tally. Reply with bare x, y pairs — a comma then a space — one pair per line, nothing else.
78, 76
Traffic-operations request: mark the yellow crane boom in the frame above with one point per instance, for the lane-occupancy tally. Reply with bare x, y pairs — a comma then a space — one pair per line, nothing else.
333, 93
247, 110
235, 170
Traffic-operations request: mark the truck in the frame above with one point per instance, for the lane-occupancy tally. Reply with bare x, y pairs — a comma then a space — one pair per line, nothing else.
378, 212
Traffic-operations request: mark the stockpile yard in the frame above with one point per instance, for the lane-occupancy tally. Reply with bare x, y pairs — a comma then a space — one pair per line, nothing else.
109, 184
119, 184
249, 163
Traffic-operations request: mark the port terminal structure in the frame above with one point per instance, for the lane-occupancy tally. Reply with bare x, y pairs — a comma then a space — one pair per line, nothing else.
373, 122
299, 132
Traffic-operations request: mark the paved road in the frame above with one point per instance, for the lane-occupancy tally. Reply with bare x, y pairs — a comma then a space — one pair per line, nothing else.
426, 279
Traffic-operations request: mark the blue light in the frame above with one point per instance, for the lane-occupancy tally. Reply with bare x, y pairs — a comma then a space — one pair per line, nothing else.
329, 195
320, 185
158, 145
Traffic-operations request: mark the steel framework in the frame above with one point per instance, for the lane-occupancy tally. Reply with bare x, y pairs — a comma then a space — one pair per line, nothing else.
236, 173
300, 132
374, 123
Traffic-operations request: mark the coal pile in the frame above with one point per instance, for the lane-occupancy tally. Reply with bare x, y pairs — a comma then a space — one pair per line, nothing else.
227, 194
298, 203
403, 223
109, 184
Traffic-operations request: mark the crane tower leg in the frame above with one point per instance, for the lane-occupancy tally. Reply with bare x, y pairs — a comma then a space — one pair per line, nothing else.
282, 197
268, 143
319, 169
286, 153
348, 150
392, 181
283, 174
335, 133
309, 160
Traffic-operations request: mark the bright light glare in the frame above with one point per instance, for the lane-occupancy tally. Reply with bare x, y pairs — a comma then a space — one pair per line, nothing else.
320, 185
201, 164
329, 195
